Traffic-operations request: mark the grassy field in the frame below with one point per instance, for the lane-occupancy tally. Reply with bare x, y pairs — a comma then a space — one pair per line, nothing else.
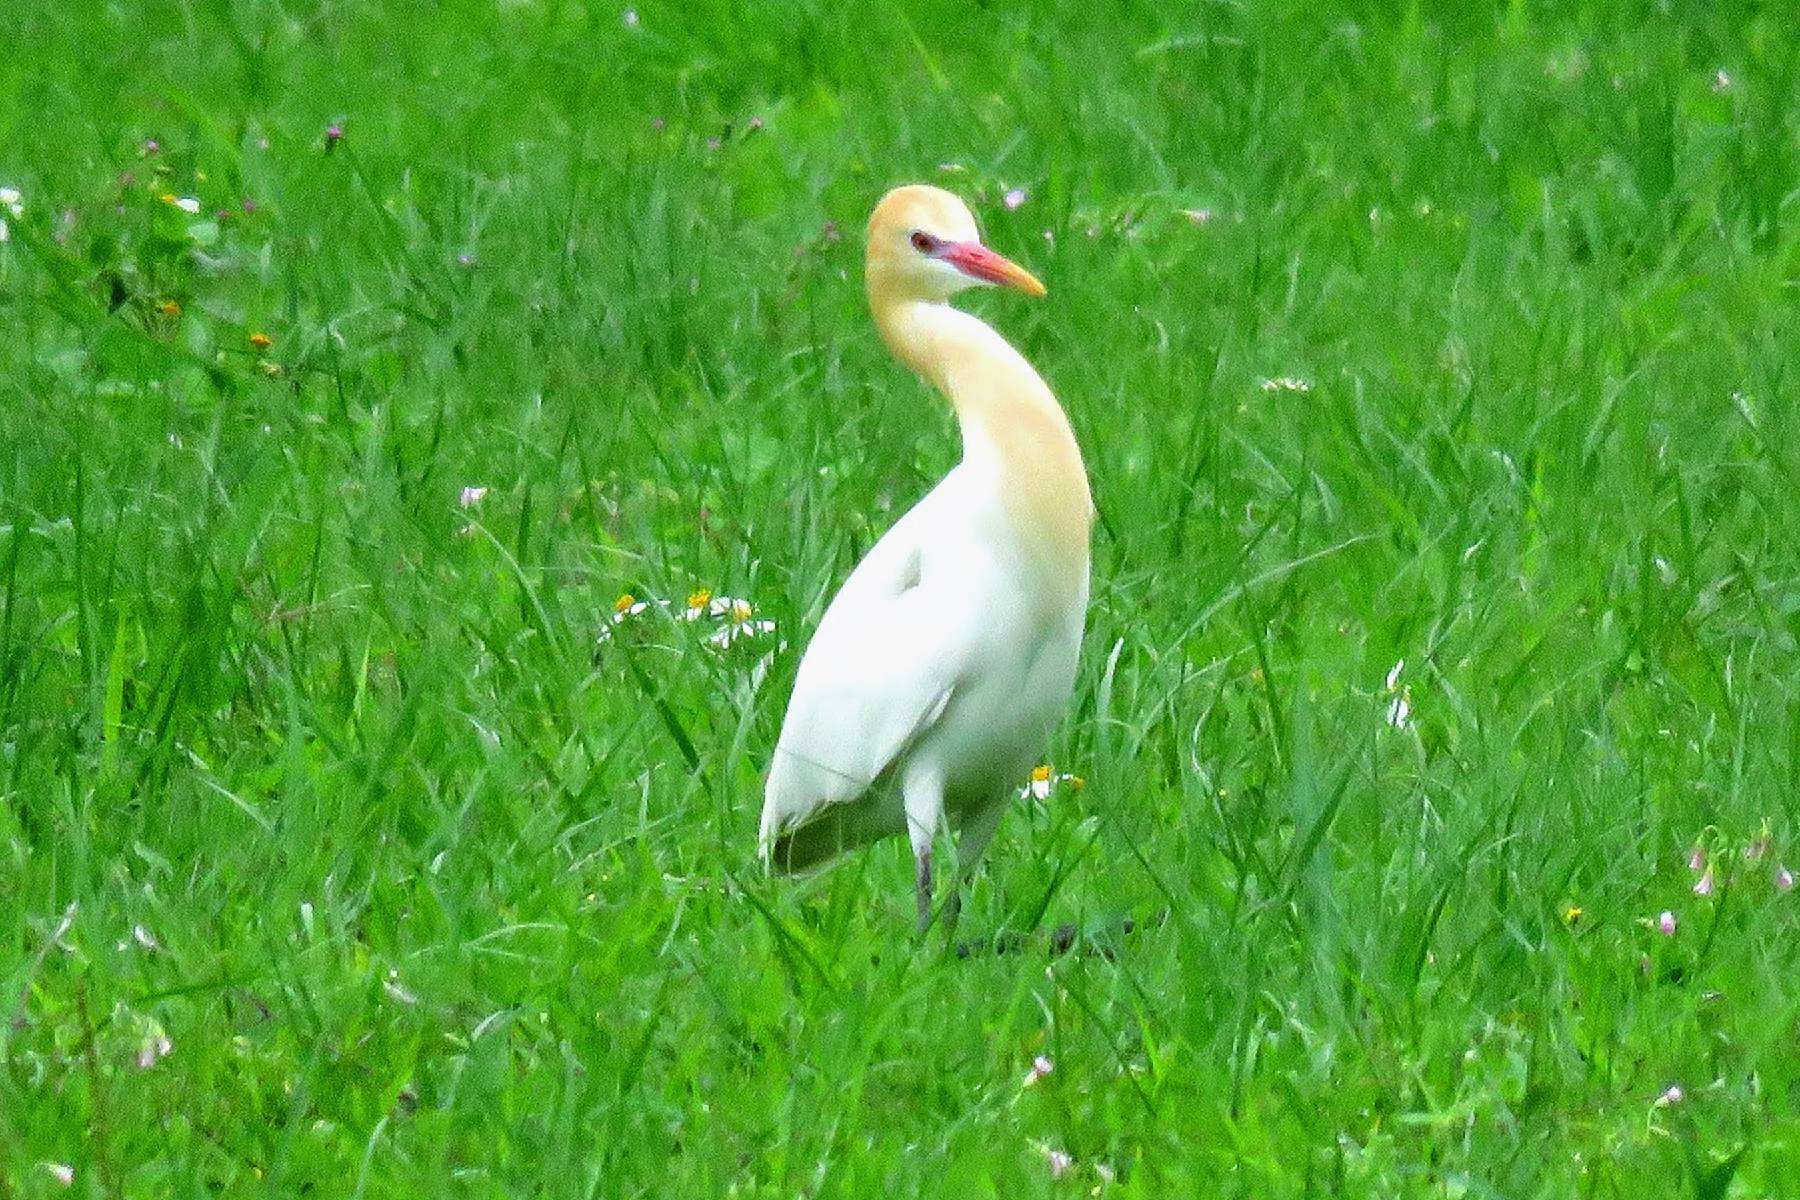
1437, 724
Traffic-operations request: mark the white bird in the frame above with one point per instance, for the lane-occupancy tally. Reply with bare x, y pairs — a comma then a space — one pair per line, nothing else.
943, 665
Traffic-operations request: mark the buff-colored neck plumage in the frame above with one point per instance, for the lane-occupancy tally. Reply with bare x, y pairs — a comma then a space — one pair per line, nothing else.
1013, 430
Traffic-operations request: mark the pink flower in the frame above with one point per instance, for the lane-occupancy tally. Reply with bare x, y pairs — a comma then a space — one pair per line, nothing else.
1674, 1095
1705, 886
1697, 858
631, 18
1665, 923
1060, 1163
1040, 1067
151, 145
1014, 198
1784, 880
1757, 849
1202, 216
471, 496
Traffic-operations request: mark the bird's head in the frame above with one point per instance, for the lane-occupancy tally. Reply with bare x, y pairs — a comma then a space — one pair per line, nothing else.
923, 245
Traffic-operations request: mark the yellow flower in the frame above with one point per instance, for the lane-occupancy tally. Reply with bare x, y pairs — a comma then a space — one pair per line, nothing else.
261, 341
1040, 773
169, 308
740, 611
699, 598
1571, 914
624, 602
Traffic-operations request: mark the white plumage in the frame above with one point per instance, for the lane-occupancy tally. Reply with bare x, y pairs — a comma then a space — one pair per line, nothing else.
944, 663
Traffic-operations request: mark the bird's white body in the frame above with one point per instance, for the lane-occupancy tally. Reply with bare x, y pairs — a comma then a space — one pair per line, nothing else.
943, 665
931, 656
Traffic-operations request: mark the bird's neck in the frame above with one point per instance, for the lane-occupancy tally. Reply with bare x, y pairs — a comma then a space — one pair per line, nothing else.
1013, 430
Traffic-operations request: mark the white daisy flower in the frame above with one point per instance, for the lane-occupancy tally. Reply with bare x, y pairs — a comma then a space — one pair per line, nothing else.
1044, 780
736, 617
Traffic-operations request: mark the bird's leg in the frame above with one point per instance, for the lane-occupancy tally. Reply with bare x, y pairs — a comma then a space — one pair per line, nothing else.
953, 912
923, 793
923, 864
977, 831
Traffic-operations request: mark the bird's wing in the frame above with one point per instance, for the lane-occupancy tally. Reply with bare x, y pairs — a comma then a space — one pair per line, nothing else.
879, 672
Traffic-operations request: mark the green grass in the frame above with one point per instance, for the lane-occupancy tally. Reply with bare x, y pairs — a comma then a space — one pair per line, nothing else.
325, 778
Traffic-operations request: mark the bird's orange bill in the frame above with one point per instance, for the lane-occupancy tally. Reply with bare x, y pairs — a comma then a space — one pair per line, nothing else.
978, 262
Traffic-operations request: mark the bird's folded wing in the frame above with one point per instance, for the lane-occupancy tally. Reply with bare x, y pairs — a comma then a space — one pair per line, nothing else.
879, 672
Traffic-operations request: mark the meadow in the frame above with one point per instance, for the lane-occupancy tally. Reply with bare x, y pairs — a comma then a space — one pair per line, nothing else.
429, 431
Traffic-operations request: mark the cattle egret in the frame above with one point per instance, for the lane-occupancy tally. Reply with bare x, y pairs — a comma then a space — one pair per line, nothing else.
947, 658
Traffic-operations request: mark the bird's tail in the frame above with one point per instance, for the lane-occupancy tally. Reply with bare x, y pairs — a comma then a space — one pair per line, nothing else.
811, 846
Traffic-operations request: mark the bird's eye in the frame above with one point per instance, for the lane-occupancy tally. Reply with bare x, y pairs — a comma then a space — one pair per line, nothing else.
923, 242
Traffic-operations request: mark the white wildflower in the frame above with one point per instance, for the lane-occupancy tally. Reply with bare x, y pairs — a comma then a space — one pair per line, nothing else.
1287, 383
736, 617
469, 497
1044, 780
728, 633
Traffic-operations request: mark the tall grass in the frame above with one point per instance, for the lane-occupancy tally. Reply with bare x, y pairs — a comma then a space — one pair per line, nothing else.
1435, 371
